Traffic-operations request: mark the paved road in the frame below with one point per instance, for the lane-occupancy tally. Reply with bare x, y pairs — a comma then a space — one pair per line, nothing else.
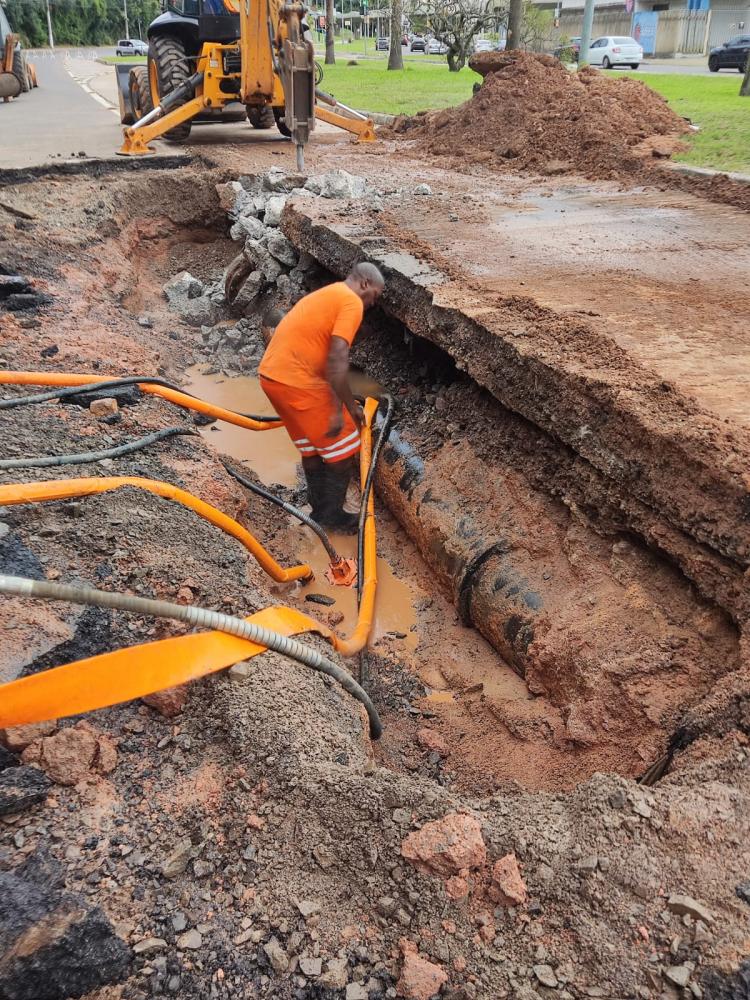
57, 120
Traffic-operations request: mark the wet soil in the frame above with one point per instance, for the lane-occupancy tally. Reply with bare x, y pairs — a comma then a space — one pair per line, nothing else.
532, 113
286, 750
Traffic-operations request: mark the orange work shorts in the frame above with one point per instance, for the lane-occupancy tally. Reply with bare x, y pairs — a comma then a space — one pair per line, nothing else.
306, 414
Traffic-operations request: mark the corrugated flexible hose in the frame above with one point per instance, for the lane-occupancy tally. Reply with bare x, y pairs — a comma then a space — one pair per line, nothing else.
195, 616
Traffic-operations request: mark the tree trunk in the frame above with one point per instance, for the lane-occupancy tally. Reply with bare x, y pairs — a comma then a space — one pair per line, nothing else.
456, 59
515, 24
745, 88
330, 21
395, 55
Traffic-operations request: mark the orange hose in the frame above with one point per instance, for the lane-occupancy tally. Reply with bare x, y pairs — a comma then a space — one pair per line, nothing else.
136, 671
62, 489
180, 398
358, 639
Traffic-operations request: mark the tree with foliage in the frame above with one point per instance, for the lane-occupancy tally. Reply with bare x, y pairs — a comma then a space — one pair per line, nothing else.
78, 22
395, 55
456, 23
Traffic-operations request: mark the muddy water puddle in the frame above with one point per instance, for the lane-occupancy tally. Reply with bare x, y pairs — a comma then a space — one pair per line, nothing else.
270, 454
275, 460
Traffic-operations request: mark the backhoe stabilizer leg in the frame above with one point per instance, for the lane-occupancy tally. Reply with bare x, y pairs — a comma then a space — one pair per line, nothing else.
162, 119
362, 128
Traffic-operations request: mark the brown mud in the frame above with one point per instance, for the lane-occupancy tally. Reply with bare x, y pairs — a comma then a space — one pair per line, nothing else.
270, 778
532, 114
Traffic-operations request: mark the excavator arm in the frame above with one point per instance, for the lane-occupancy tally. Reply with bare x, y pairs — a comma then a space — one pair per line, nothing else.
276, 69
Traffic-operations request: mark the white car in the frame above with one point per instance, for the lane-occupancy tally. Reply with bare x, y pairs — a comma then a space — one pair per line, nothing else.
435, 47
614, 50
483, 45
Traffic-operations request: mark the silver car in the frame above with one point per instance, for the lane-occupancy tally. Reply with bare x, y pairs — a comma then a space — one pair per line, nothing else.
131, 47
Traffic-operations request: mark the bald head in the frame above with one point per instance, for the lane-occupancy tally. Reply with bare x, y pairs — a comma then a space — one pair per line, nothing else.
367, 281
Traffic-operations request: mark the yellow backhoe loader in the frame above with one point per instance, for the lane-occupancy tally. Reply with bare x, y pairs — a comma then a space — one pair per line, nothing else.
218, 53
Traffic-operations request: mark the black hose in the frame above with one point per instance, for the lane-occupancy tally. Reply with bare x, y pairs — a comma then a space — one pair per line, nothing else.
289, 508
61, 392
95, 456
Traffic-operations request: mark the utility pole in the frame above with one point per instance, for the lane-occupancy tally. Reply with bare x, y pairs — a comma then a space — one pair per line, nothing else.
515, 24
125, 12
588, 21
49, 28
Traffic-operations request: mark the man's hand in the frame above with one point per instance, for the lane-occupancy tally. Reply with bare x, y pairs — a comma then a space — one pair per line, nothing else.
336, 423
358, 415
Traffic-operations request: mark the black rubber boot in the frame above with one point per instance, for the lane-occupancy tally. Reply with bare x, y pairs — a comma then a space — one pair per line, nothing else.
315, 477
332, 513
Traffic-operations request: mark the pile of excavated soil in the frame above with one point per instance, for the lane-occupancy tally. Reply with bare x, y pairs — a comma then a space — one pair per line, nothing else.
532, 113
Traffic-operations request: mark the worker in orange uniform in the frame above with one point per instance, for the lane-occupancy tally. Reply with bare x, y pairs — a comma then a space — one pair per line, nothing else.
304, 372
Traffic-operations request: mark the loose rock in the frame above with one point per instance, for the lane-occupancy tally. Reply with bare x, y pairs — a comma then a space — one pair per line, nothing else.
169, 702
21, 788
420, 979
52, 943
19, 737
507, 887
680, 904
446, 846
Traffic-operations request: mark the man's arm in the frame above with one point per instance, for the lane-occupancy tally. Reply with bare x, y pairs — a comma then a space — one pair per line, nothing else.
337, 375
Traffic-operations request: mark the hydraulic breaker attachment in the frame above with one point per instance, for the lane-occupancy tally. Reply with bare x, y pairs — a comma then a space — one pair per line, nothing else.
297, 72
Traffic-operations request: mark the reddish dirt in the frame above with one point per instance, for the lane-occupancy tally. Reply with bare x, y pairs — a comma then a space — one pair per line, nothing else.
532, 114
269, 781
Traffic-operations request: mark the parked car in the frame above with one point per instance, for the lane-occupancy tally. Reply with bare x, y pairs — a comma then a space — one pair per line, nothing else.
731, 55
436, 47
484, 45
131, 47
573, 48
610, 50
383, 44
418, 43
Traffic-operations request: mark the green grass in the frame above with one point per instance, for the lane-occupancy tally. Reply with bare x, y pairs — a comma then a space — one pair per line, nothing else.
111, 60
417, 87
714, 104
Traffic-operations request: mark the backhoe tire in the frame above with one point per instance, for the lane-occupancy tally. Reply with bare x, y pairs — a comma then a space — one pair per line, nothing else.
168, 67
281, 125
19, 69
140, 92
262, 117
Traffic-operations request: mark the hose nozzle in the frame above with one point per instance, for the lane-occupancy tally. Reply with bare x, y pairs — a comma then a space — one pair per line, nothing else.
342, 572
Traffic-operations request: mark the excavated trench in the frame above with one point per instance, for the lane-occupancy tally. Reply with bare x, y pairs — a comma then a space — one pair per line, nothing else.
612, 605
617, 609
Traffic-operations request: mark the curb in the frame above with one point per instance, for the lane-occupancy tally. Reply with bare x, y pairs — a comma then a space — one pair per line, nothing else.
708, 172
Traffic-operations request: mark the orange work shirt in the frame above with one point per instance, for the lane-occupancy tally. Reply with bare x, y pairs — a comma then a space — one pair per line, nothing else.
298, 351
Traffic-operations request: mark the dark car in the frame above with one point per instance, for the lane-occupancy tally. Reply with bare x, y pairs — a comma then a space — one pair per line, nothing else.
731, 55
418, 44
572, 50
383, 44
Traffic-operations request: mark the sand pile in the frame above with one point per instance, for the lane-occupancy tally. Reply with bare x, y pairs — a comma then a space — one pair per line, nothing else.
532, 113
